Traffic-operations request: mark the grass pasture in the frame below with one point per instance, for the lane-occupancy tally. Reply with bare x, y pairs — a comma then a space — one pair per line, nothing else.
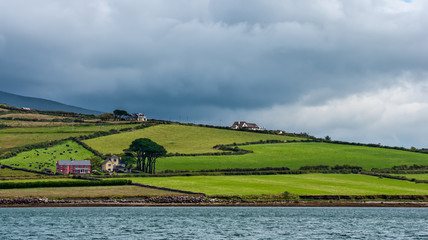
15, 137
6, 174
180, 138
32, 124
84, 192
295, 155
54, 179
39, 159
30, 116
303, 184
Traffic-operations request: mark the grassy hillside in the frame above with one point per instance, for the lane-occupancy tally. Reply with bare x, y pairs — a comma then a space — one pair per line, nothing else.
14, 137
295, 155
6, 173
304, 184
39, 159
180, 138
34, 116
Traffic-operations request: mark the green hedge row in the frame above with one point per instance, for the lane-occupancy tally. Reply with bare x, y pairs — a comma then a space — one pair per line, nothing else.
384, 175
8, 185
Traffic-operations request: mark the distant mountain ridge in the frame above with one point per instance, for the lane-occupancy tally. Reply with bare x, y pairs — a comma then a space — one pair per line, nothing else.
41, 104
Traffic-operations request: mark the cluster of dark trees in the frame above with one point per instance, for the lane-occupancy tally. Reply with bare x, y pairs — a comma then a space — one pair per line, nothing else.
145, 152
117, 115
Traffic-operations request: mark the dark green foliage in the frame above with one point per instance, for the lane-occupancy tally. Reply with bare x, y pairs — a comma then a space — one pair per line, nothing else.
315, 168
385, 175
129, 159
335, 169
65, 183
347, 167
403, 169
412, 167
107, 116
120, 114
96, 162
145, 151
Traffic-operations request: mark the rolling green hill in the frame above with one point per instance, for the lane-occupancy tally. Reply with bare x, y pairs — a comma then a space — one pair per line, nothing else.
295, 155
39, 159
15, 137
180, 138
303, 184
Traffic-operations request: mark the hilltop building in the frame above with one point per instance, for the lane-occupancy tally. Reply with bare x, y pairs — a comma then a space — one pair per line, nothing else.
139, 117
73, 166
278, 131
114, 164
244, 125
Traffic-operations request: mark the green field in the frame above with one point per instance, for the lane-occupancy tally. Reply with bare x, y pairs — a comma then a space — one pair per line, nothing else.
415, 176
57, 179
295, 155
6, 174
39, 159
180, 138
304, 184
84, 192
15, 137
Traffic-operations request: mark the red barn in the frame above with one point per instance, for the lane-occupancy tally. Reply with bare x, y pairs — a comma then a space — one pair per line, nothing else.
73, 166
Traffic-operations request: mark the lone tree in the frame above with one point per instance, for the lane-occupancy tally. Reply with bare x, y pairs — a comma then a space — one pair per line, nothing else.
146, 152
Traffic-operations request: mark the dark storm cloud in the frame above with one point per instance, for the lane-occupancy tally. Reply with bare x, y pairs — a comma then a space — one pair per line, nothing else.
209, 59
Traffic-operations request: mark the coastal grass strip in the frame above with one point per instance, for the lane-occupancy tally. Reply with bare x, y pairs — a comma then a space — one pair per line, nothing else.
62, 183
167, 189
300, 184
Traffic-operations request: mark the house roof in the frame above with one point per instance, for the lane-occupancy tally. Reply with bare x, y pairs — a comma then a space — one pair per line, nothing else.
243, 124
105, 161
252, 125
114, 156
74, 162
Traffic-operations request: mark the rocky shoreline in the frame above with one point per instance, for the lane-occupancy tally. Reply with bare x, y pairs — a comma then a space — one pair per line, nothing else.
197, 201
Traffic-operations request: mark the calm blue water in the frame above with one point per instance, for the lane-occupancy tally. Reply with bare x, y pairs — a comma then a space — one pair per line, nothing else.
213, 223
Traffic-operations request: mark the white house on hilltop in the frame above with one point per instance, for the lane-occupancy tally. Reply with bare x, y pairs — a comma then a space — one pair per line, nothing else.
244, 125
136, 117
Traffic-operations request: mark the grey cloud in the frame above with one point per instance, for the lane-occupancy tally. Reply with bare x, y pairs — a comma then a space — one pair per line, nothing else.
208, 58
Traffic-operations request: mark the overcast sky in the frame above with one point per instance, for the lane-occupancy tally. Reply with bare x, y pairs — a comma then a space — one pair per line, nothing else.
355, 70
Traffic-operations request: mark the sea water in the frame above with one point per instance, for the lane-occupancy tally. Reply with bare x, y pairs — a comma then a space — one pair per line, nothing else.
213, 223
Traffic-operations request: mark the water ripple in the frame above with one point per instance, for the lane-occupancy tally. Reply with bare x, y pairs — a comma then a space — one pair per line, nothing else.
213, 223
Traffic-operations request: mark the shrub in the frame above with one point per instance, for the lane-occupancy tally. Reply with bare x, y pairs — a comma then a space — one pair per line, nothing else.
11, 184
